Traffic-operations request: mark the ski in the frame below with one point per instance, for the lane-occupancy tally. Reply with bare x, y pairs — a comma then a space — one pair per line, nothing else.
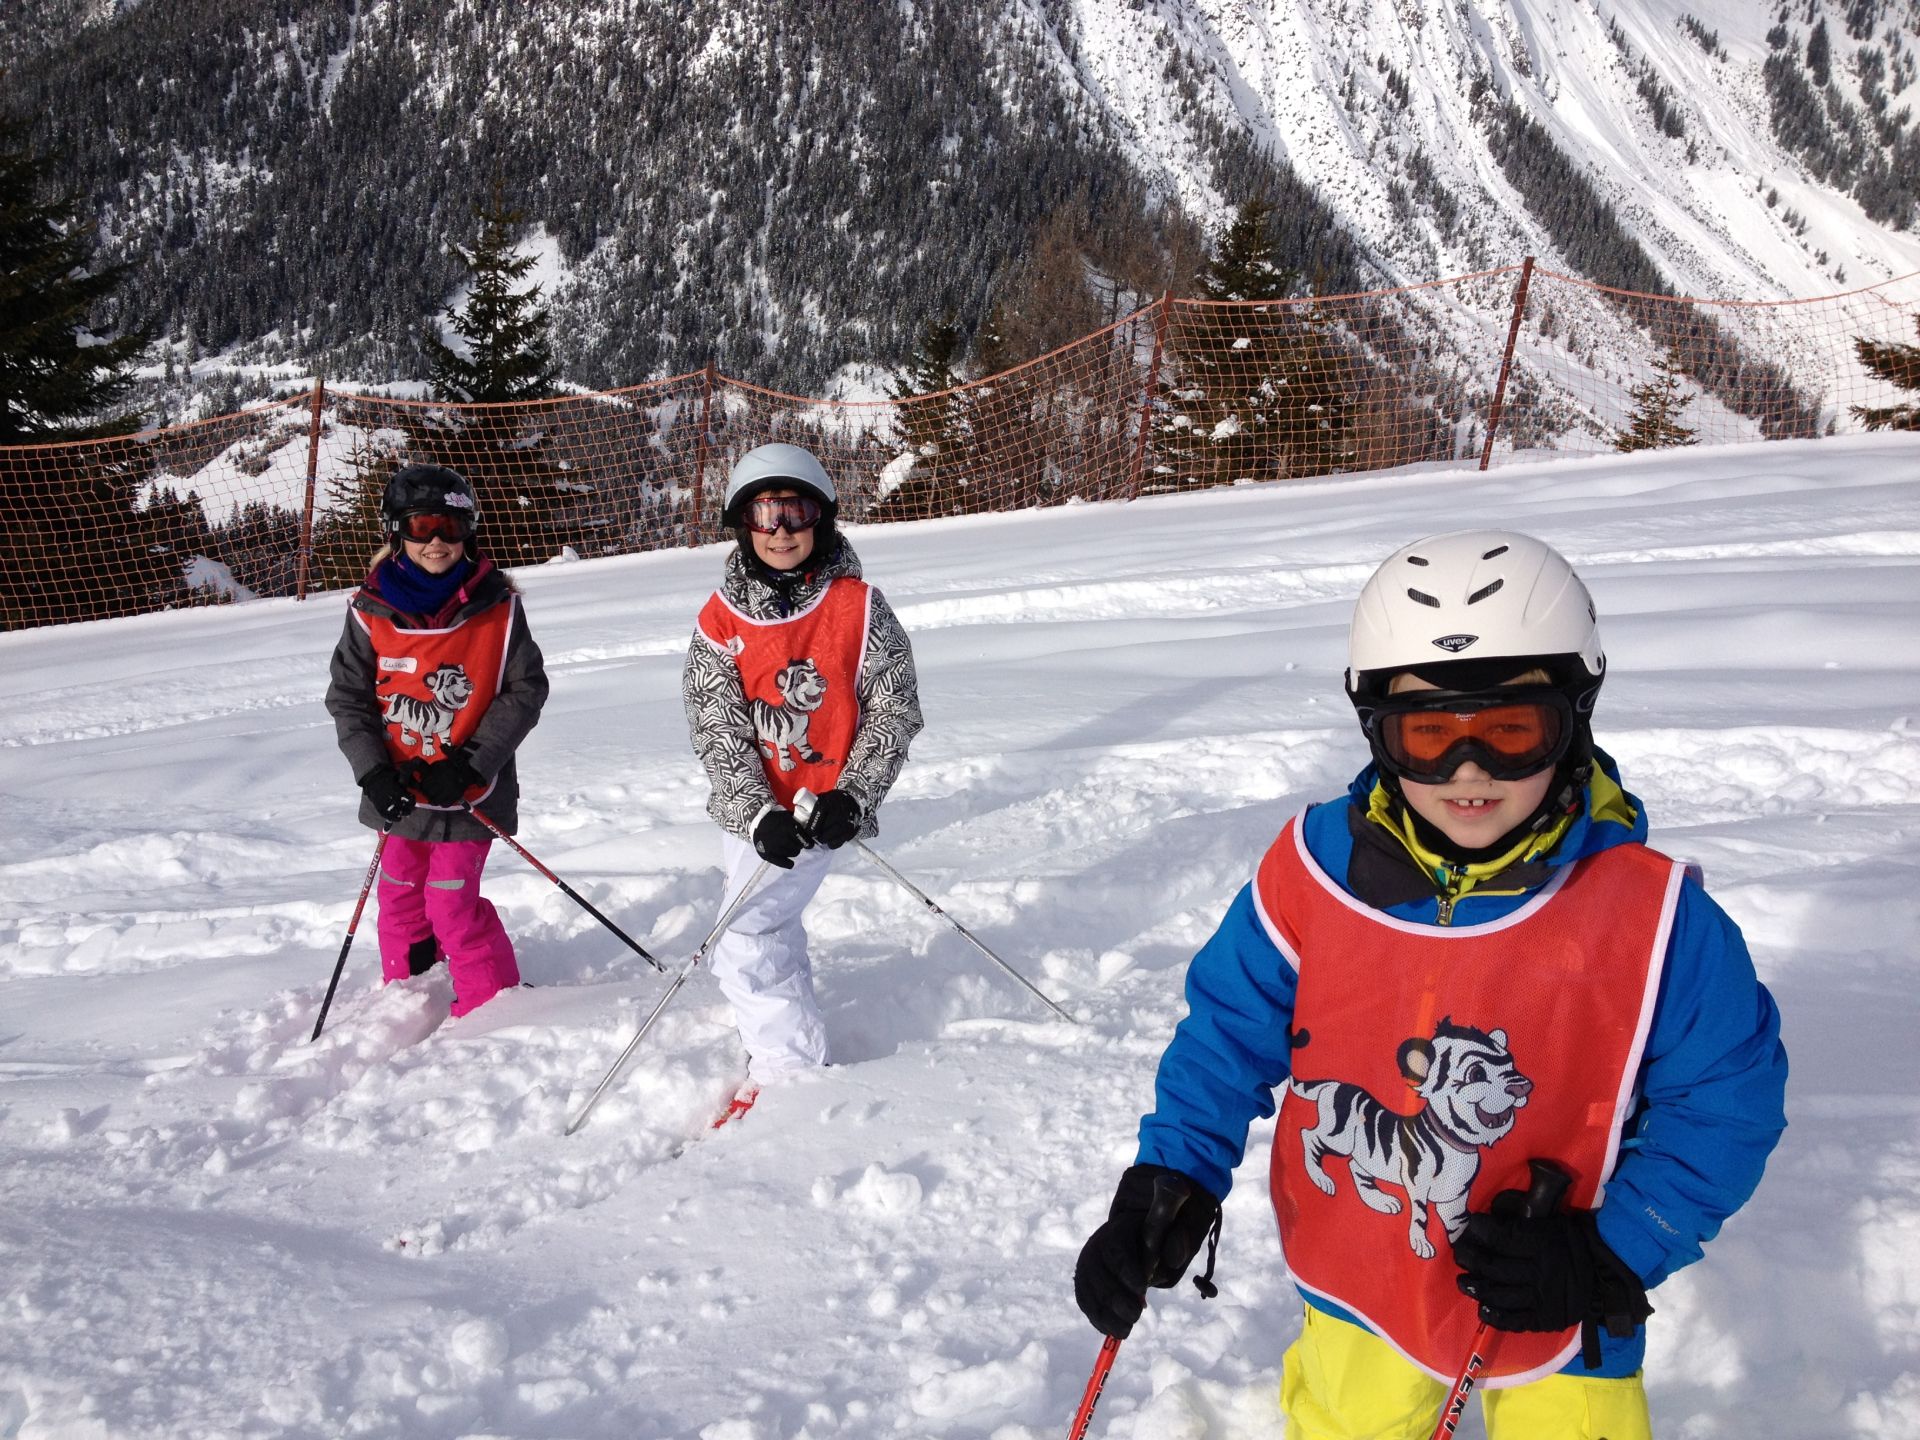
738, 1106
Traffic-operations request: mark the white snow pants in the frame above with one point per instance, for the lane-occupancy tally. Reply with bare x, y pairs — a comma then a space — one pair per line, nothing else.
761, 961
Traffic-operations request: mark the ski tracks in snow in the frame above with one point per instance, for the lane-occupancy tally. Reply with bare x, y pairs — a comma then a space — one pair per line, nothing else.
226, 1230
437, 1143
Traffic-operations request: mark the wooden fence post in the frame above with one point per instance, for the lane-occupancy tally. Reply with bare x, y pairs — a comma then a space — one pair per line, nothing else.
313, 476
1506, 361
1160, 320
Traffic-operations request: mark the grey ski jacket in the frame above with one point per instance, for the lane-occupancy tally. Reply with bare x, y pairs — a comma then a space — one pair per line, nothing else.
515, 710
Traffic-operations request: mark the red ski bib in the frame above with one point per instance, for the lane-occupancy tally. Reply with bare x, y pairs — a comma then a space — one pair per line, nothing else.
434, 685
801, 675
1430, 1064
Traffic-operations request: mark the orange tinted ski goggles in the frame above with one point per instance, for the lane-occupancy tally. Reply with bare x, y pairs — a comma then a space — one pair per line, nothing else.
422, 526
1427, 735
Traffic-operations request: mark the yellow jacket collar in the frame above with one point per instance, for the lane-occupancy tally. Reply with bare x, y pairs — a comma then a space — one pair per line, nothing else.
1457, 879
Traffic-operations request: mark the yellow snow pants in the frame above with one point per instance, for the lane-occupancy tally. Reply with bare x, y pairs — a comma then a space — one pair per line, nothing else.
1340, 1382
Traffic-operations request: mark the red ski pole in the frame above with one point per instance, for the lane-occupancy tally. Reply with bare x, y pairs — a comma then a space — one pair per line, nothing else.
1168, 1197
1096, 1382
1549, 1184
366, 888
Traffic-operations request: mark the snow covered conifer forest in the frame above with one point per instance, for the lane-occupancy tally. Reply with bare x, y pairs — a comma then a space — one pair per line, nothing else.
795, 191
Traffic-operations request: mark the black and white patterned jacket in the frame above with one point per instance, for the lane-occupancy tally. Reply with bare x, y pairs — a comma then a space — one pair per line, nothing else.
722, 726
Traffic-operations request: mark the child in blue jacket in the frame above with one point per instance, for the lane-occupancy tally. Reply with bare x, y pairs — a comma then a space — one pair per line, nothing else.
1470, 963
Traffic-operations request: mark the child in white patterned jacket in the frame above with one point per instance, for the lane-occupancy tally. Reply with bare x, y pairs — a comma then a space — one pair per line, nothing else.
798, 676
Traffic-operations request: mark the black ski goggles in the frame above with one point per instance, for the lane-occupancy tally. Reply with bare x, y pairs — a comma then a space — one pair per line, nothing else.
423, 525
770, 514
1511, 733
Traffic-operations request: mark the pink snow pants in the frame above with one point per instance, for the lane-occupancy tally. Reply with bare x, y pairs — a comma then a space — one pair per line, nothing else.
433, 888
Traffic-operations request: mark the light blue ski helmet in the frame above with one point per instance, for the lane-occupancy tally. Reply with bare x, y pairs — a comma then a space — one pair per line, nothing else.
777, 467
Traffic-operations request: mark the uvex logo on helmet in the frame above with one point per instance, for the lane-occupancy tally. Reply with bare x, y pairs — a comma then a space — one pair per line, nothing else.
1454, 644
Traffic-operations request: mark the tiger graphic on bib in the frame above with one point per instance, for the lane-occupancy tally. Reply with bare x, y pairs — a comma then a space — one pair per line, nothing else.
425, 721
781, 727
1470, 1092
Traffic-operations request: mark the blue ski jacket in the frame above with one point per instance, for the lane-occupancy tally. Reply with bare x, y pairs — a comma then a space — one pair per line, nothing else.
1710, 1092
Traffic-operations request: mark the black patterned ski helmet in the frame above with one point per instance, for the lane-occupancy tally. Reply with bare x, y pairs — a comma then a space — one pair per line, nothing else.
427, 490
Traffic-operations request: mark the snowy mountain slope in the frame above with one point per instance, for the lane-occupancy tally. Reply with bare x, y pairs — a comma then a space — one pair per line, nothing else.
787, 189
1404, 117
213, 1228
1358, 95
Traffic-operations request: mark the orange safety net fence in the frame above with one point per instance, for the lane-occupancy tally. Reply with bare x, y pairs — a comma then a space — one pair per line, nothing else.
283, 499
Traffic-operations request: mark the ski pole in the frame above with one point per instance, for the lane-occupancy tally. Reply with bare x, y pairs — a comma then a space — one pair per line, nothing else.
926, 900
726, 917
1096, 1382
1168, 1197
1549, 1185
366, 886
567, 890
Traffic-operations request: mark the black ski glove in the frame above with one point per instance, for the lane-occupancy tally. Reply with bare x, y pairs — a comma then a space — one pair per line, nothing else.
446, 782
1153, 1230
1548, 1272
779, 838
389, 794
836, 819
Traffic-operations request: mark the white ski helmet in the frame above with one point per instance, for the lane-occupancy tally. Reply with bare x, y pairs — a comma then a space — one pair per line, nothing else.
1444, 606
775, 467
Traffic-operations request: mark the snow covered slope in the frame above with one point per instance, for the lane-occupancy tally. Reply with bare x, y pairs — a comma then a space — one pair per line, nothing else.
1364, 98
212, 1228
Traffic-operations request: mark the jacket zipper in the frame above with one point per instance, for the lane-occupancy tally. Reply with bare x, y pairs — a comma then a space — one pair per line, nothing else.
1447, 898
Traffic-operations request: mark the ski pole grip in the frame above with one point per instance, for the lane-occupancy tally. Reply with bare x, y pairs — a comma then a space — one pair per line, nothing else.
803, 803
1548, 1188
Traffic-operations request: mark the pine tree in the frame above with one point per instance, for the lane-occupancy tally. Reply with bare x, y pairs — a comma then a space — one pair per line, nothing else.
1011, 410
932, 426
1243, 266
86, 534
505, 330
932, 366
82, 534
348, 533
1900, 365
1655, 423
56, 382
260, 545
529, 507
1256, 390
